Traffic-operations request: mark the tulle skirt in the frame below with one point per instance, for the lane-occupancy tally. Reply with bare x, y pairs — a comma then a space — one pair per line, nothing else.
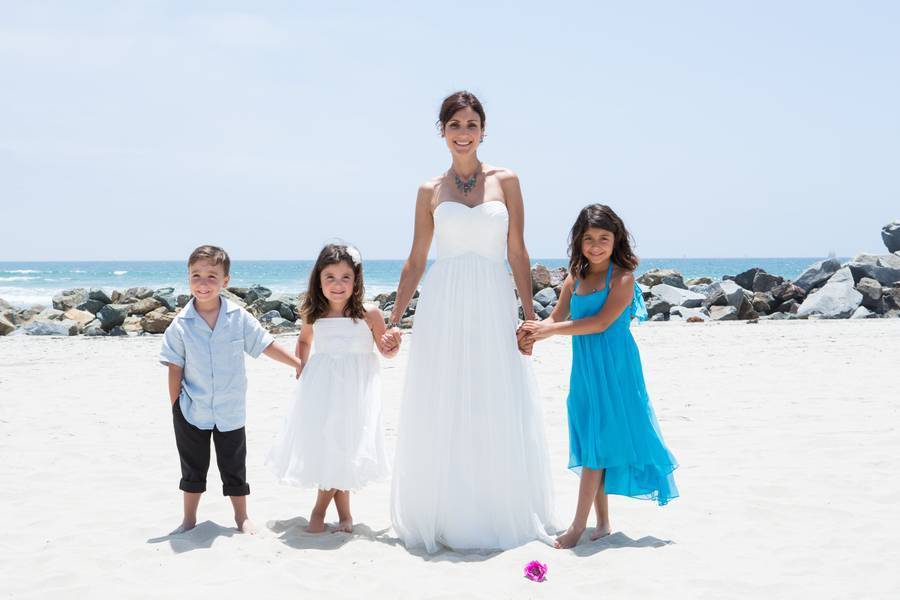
332, 435
472, 469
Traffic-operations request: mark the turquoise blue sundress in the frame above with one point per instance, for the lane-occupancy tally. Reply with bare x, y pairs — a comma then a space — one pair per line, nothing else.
612, 425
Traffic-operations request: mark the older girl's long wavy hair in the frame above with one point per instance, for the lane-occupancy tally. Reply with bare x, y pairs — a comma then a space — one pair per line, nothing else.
316, 305
602, 217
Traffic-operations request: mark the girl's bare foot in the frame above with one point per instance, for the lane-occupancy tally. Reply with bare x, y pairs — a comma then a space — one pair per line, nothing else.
600, 531
185, 526
316, 523
246, 526
345, 526
569, 539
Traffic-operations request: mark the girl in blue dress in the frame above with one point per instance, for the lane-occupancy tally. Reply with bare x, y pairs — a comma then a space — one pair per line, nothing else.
614, 440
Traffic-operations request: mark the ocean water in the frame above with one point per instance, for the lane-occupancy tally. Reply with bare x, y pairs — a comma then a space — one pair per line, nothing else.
28, 283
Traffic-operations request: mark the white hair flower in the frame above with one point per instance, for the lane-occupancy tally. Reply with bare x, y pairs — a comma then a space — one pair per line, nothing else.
354, 255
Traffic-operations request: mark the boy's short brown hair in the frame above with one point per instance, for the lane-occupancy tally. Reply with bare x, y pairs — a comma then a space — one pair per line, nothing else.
214, 254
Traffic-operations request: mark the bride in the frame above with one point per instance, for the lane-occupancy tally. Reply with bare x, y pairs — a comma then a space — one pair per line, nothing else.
471, 471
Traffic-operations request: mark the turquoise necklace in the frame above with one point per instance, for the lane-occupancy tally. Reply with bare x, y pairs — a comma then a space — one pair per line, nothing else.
466, 185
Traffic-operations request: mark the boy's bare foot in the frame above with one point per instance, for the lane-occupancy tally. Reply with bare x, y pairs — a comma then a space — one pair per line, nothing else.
569, 539
246, 526
600, 531
345, 526
316, 523
185, 526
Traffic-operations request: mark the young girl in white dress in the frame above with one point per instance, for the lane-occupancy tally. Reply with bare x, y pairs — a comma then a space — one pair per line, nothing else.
332, 437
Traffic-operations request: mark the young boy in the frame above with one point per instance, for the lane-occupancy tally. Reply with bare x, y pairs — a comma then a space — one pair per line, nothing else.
204, 350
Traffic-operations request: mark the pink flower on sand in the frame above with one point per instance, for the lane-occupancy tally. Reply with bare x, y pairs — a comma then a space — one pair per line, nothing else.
536, 571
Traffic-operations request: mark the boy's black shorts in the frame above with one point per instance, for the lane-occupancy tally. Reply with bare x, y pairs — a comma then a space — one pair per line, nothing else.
193, 449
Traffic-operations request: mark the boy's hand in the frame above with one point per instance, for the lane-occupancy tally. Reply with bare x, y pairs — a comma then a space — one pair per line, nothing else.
298, 368
391, 340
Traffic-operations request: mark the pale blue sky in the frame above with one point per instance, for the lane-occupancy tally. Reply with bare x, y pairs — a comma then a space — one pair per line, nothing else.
137, 130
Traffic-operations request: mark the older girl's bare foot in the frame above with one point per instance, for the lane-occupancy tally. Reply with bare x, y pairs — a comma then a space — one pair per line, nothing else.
345, 526
569, 539
185, 526
316, 523
600, 531
246, 526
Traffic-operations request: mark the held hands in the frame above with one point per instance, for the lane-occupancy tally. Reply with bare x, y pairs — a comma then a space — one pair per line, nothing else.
390, 342
530, 332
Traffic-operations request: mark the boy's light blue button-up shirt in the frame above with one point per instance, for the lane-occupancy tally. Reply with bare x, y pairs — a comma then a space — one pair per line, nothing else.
214, 386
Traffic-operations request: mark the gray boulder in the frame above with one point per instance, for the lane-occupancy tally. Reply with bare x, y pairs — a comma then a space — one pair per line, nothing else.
884, 268
723, 313
46, 327
91, 306
545, 296
745, 279
775, 316
94, 329
4, 305
268, 316
182, 299
112, 315
817, 274
279, 325
132, 324
766, 282
698, 281
50, 314
837, 299
257, 292
545, 311
863, 313
133, 295
659, 317
891, 297
762, 302
788, 291
284, 304
70, 299
99, 295
6, 326
118, 332
558, 276
681, 313
540, 278
239, 292
700, 288
788, 307
656, 277
677, 296
166, 297
725, 293
157, 321
890, 234
658, 306
142, 307
872, 294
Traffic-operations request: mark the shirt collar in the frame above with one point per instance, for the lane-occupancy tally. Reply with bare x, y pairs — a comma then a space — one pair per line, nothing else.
190, 311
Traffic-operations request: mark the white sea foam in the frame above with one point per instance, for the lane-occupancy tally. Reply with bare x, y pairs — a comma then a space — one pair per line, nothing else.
18, 278
21, 271
119, 272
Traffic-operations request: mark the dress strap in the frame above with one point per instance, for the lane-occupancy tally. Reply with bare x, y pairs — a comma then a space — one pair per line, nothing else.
609, 271
575, 288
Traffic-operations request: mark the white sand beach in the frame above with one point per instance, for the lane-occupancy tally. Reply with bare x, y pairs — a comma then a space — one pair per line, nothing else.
787, 434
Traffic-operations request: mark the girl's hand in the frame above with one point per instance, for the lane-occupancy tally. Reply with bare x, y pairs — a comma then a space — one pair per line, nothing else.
298, 368
536, 330
391, 340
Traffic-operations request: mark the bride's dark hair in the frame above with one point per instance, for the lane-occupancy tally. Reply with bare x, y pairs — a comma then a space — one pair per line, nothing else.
454, 103
602, 217
315, 304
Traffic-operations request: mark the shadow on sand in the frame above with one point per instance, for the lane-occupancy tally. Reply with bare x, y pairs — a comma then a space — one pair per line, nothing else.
616, 540
201, 536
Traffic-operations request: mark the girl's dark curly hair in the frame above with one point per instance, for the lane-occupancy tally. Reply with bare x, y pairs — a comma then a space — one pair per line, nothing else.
316, 305
602, 217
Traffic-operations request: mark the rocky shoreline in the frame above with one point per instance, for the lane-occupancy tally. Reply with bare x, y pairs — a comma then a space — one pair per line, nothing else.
868, 286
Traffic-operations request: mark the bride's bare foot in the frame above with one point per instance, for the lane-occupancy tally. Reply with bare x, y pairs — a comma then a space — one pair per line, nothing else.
316, 523
345, 526
600, 531
569, 539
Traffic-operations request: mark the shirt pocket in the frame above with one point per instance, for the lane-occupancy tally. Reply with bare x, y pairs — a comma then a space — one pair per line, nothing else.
237, 349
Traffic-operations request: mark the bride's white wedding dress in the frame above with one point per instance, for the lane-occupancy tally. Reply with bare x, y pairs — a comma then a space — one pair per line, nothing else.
472, 468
